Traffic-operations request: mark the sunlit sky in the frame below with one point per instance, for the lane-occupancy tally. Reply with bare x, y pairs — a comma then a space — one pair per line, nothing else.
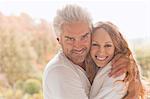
132, 17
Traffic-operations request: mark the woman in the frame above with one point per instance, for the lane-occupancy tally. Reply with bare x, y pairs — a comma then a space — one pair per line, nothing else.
107, 42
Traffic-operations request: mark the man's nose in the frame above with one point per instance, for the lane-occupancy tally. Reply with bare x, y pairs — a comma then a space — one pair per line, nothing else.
77, 44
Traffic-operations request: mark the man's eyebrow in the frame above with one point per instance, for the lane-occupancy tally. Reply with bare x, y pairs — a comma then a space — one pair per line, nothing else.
86, 34
69, 37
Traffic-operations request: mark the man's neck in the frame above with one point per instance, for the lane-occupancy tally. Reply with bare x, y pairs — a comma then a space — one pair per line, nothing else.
82, 65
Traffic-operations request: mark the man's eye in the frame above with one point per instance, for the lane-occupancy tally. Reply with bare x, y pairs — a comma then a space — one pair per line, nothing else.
85, 36
70, 39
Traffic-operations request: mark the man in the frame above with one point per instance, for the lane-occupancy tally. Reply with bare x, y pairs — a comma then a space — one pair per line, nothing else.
65, 76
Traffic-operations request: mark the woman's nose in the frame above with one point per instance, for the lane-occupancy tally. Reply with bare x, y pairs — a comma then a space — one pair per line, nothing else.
101, 50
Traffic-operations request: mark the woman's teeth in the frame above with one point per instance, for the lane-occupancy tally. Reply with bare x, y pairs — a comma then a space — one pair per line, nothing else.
101, 58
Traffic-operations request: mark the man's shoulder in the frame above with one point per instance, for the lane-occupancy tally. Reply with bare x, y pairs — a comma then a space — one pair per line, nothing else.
59, 63
56, 61
60, 72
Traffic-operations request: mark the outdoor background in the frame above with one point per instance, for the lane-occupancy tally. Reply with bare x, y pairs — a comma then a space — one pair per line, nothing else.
27, 41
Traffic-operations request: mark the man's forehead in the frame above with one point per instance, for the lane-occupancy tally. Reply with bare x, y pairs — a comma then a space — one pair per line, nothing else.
76, 34
76, 26
76, 31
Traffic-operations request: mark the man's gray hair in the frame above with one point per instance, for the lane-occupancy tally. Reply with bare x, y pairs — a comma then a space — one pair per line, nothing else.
70, 14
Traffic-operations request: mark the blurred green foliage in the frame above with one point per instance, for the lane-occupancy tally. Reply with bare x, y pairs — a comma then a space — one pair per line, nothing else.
32, 86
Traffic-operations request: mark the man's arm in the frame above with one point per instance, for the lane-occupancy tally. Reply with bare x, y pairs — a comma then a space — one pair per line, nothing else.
120, 65
63, 83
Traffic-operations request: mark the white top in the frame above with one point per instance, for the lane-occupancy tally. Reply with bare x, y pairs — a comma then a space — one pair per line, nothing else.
105, 87
65, 80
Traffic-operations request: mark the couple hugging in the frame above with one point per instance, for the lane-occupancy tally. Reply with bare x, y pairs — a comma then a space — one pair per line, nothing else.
94, 62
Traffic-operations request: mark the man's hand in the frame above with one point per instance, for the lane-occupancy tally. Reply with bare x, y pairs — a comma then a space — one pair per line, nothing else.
120, 65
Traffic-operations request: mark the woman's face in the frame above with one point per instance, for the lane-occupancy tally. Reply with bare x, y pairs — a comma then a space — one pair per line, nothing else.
102, 49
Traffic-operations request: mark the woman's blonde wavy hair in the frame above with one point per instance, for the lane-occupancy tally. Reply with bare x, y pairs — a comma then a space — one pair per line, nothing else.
135, 88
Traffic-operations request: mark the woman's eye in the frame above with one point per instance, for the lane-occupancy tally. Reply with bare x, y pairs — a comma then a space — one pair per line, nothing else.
108, 45
94, 44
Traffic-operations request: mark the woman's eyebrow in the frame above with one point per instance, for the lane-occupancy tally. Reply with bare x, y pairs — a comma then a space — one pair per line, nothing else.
109, 42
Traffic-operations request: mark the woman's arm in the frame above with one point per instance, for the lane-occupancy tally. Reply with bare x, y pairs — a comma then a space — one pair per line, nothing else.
105, 87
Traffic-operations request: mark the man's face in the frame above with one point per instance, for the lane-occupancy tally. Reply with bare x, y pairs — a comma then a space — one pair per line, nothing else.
75, 41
